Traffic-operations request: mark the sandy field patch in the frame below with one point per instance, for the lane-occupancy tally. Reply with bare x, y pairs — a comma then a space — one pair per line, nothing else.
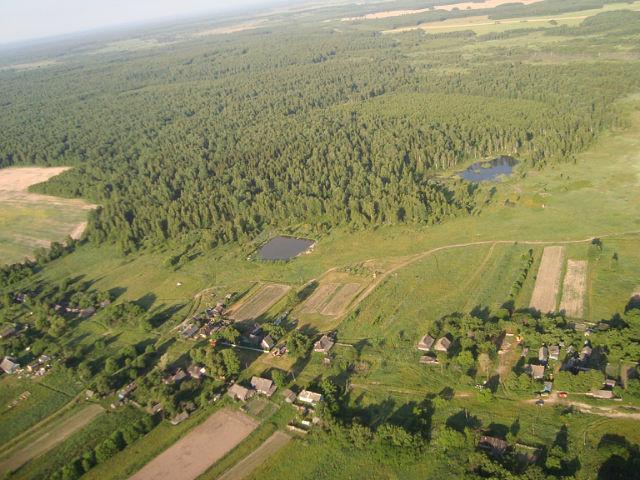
194, 453
256, 458
342, 299
240, 27
19, 179
51, 438
259, 303
449, 7
547, 284
318, 299
574, 288
30, 220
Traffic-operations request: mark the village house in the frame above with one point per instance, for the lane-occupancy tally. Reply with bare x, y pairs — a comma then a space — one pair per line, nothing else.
190, 330
426, 343
263, 386
537, 372
442, 345
238, 392
7, 331
323, 345
9, 365
554, 352
429, 360
126, 391
495, 446
267, 343
585, 353
175, 378
543, 354
205, 330
196, 371
309, 397
289, 396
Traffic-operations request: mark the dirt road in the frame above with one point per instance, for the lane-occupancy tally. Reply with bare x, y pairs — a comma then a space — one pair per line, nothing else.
256, 458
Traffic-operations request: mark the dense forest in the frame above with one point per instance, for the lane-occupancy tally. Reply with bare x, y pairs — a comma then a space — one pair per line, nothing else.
225, 138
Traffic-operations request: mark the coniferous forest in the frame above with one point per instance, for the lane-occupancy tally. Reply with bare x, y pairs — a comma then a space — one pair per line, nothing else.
225, 138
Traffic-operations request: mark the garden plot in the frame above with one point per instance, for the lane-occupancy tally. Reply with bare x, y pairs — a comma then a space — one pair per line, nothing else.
256, 458
545, 291
260, 302
319, 299
341, 300
574, 289
194, 453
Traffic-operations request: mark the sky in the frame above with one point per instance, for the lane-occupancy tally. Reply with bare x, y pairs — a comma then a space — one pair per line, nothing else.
30, 19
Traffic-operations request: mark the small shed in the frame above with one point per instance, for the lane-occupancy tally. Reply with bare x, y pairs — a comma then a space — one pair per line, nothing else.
307, 396
537, 372
442, 345
289, 396
426, 343
554, 352
196, 371
496, 446
9, 365
543, 354
429, 360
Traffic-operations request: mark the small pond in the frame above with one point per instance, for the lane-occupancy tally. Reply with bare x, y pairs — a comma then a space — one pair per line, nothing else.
489, 170
284, 248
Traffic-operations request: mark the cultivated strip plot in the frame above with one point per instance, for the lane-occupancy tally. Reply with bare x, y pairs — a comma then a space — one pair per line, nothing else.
574, 288
193, 454
50, 439
259, 303
318, 299
256, 458
545, 291
342, 299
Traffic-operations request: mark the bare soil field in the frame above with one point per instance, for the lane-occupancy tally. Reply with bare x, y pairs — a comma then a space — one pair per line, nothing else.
194, 453
545, 291
29, 220
318, 299
574, 288
259, 303
342, 299
256, 458
50, 439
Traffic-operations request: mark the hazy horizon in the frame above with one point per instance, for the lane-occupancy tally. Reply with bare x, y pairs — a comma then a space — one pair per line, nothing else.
23, 21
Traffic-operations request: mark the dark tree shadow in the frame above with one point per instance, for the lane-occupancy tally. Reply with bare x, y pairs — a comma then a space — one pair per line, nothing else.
461, 420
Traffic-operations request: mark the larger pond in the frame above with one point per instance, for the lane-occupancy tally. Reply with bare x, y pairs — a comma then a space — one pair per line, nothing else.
284, 248
489, 170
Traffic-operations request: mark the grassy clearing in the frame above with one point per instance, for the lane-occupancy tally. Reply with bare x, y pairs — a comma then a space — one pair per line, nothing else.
482, 24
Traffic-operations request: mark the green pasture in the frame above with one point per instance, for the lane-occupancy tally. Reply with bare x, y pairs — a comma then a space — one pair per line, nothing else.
25, 227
